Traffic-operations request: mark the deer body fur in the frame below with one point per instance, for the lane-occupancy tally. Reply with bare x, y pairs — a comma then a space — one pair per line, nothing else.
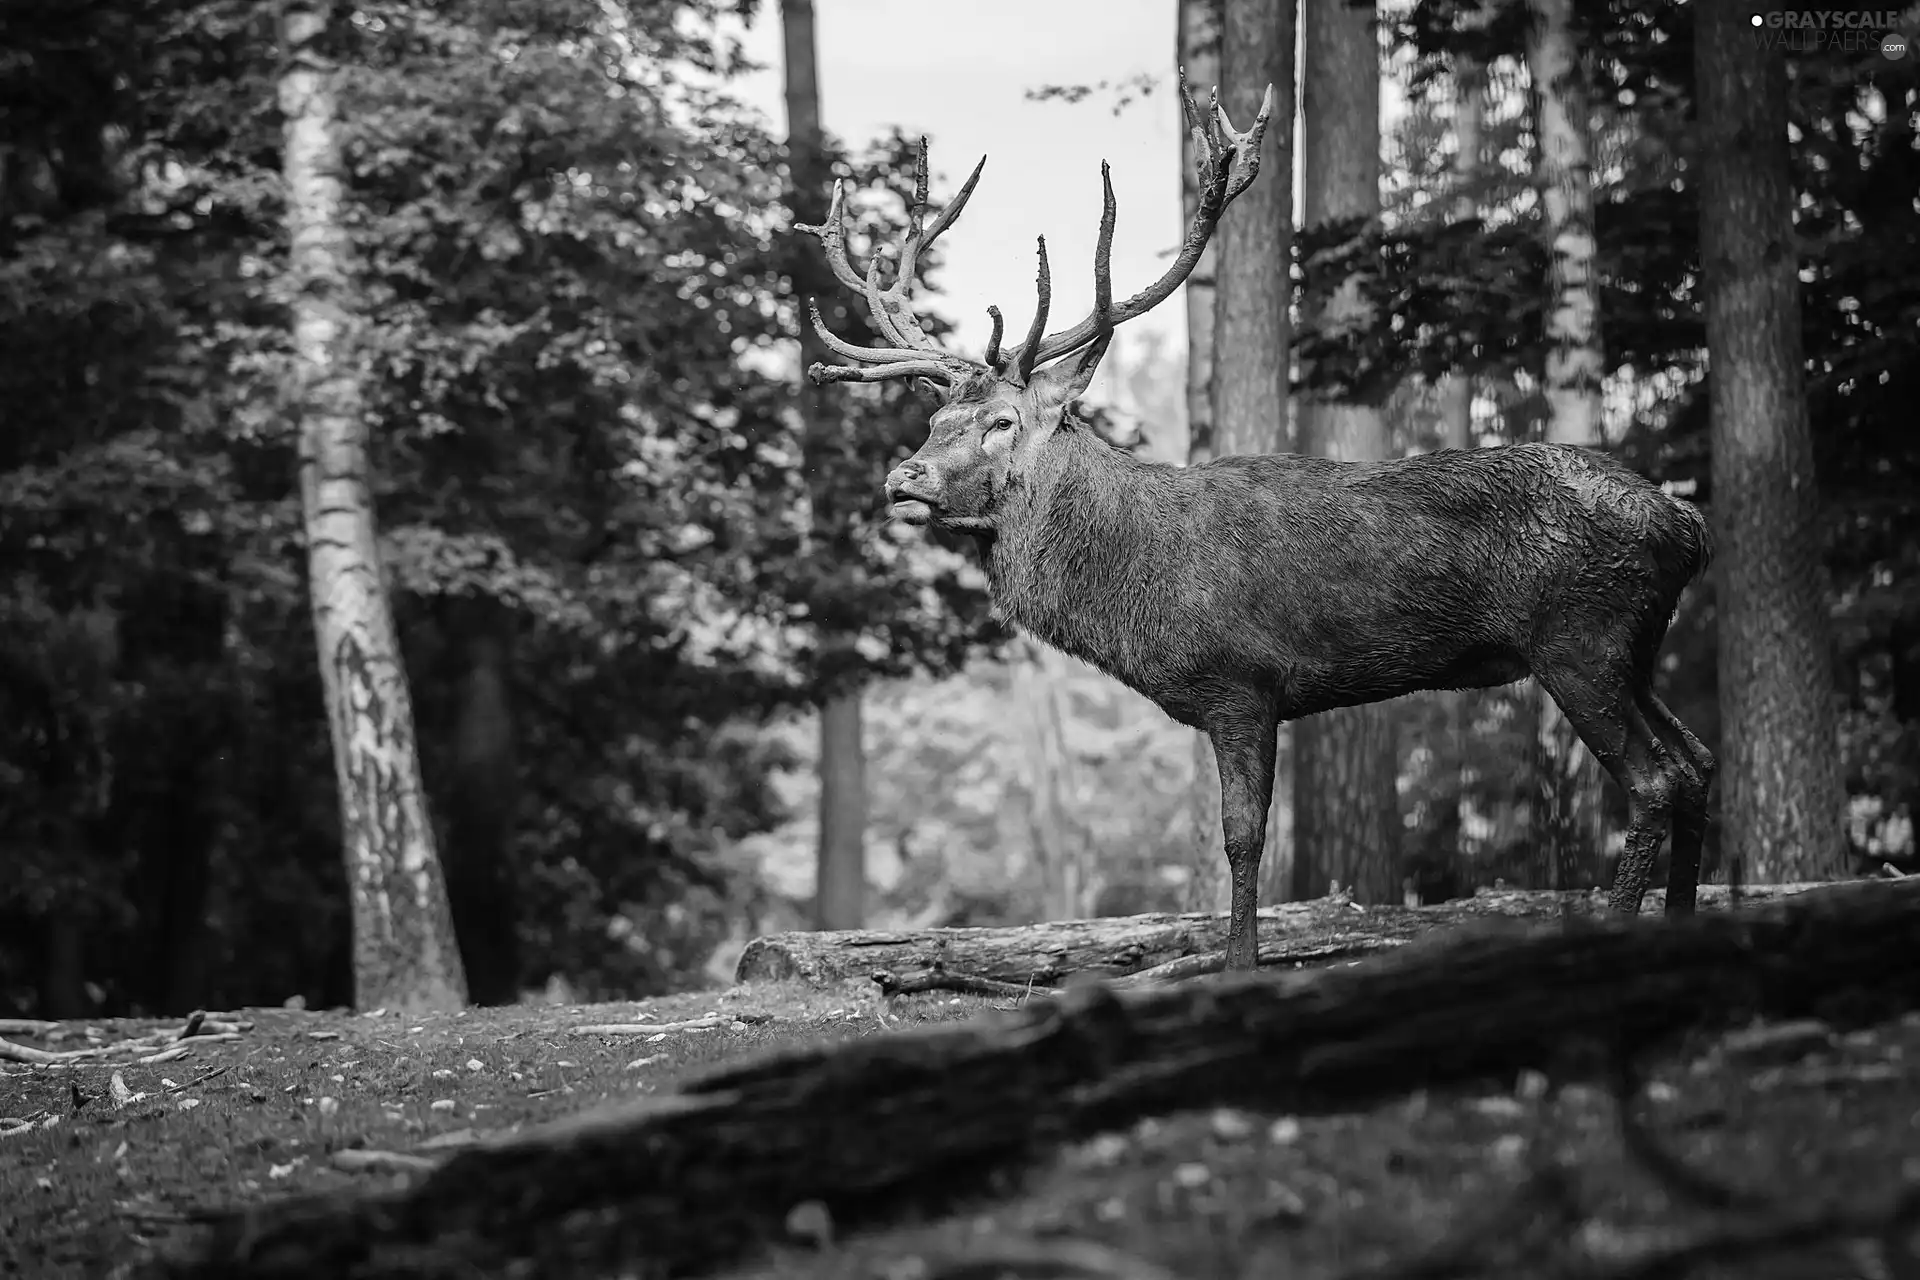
1311, 584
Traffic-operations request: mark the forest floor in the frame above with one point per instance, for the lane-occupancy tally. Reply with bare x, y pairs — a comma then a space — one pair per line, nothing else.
1814, 1125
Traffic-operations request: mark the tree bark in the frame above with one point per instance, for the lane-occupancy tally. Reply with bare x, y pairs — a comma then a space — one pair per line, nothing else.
1469, 109
1782, 799
1250, 332
482, 887
1111, 947
1198, 51
841, 892
915, 1123
404, 954
1456, 390
1569, 785
840, 858
1067, 885
1346, 808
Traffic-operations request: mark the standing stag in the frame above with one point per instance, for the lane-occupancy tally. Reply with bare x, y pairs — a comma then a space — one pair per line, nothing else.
1254, 590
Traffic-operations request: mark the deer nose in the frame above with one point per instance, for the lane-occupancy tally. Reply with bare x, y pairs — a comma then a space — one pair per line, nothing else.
911, 469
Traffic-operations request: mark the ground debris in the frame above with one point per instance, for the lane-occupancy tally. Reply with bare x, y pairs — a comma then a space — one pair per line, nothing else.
915, 1122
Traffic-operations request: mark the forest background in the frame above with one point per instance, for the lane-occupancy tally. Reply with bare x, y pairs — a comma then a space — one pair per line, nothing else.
625, 573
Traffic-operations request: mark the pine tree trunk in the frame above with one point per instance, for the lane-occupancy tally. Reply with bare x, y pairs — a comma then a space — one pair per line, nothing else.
404, 953
1346, 816
1254, 242
482, 887
1456, 397
840, 859
1198, 50
840, 895
1199, 54
1569, 814
1782, 797
1469, 106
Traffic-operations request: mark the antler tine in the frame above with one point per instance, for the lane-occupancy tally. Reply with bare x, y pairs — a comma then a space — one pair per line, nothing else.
1230, 162
832, 235
877, 304
917, 214
1103, 247
921, 237
946, 216
1030, 348
993, 343
841, 347
1195, 123
938, 370
911, 352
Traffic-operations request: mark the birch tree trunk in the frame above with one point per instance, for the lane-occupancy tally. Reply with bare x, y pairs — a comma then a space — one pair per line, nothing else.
1569, 799
404, 953
1198, 52
1782, 798
1250, 370
841, 858
1346, 816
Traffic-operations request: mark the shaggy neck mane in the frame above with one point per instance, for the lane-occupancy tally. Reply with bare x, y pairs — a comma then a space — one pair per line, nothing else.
1063, 532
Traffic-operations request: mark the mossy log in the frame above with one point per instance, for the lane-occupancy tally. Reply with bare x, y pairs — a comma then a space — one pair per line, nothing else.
1045, 954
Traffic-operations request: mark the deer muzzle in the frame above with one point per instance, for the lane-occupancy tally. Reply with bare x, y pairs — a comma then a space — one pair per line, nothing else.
907, 496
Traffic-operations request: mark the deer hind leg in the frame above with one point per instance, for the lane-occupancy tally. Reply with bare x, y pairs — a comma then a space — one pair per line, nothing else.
1690, 809
1602, 705
1244, 747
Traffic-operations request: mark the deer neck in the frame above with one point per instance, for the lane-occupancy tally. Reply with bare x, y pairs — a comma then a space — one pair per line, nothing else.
1068, 537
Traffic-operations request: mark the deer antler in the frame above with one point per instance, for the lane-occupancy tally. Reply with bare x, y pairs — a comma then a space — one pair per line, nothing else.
913, 353
1229, 162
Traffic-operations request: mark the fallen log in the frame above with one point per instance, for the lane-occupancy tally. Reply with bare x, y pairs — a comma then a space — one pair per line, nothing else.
916, 1121
1117, 946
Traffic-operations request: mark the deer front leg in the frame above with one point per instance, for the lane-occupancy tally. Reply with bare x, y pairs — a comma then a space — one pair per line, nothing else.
1244, 748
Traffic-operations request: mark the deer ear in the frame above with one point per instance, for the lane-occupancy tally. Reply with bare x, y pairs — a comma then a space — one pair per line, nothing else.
1059, 385
938, 390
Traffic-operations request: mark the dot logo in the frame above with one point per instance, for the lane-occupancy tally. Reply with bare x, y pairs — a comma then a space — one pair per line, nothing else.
1895, 46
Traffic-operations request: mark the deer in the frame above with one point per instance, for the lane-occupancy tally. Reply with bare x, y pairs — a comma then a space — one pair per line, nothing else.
1251, 590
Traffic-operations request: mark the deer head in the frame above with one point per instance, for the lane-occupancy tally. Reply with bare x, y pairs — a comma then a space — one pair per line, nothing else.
997, 415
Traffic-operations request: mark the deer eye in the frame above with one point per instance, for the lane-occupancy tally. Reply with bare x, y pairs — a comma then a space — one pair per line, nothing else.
1002, 423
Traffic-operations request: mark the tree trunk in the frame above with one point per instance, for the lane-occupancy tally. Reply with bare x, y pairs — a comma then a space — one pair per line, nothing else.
1067, 885
1250, 327
1116, 946
1469, 109
1570, 797
841, 891
1198, 51
1199, 54
1781, 794
1346, 815
404, 954
482, 885
915, 1125
840, 857
63, 968
1456, 398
